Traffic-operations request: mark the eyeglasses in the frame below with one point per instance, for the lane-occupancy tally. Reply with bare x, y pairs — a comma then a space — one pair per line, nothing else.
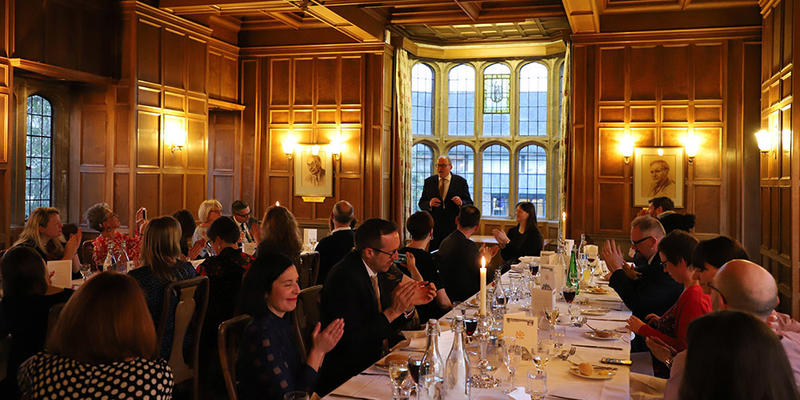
712, 287
392, 254
635, 242
243, 215
443, 165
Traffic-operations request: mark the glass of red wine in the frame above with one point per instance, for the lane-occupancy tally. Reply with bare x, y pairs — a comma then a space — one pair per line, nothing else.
569, 293
534, 267
471, 324
414, 364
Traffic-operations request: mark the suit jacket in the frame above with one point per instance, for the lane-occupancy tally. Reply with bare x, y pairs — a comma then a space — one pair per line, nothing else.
444, 216
653, 292
459, 267
332, 249
348, 294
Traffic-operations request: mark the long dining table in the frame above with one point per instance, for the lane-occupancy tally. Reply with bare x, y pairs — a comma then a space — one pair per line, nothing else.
374, 383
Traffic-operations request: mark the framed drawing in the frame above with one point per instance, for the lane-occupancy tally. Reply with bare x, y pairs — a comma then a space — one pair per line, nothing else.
313, 174
657, 171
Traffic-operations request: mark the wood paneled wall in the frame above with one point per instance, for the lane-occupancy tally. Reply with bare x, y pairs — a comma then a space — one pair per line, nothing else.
780, 169
658, 85
315, 95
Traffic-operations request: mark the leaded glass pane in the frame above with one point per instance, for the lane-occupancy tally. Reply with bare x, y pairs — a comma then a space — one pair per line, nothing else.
532, 175
496, 100
461, 101
533, 100
38, 150
421, 100
463, 159
421, 168
495, 181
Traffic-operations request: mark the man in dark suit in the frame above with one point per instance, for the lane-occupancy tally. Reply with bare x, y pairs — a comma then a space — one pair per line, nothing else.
459, 257
333, 248
356, 290
248, 226
443, 195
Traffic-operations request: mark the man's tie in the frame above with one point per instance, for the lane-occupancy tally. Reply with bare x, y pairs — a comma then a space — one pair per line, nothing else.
374, 279
442, 181
246, 233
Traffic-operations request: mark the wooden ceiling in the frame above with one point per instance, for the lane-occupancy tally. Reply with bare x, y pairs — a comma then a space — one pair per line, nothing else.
445, 22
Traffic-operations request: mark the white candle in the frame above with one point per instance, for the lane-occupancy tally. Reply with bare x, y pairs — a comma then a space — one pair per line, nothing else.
483, 287
277, 203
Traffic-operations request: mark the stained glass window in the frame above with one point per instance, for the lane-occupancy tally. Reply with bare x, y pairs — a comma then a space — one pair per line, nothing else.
533, 100
421, 100
532, 175
38, 154
421, 168
461, 101
496, 100
463, 159
495, 181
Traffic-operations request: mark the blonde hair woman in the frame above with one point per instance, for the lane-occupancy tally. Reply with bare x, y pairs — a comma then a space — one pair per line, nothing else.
161, 264
209, 211
42, 232
280, 234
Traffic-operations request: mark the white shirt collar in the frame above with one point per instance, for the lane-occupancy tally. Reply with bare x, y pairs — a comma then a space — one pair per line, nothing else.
448, 178
344, 228
369, 270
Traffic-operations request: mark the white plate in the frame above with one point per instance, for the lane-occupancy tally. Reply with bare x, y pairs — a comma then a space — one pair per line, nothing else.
595, 312
596, 374
592, 335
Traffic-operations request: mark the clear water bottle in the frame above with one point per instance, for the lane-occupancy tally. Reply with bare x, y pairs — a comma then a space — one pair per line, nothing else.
499, 295
456, 371
431, 372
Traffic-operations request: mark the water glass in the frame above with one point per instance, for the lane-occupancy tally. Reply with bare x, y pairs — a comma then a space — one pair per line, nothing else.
558, 334
398, 371
537, 384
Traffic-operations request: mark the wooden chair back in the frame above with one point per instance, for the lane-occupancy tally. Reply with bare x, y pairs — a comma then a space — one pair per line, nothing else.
309, 269
306, 316
228, 339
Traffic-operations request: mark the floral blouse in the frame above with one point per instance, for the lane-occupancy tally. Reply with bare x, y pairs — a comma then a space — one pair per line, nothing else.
133, 246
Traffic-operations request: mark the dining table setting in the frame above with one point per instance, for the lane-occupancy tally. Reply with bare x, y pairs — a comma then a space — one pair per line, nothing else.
534, 348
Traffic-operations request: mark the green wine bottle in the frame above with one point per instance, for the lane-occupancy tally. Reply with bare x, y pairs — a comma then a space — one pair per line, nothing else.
572, 274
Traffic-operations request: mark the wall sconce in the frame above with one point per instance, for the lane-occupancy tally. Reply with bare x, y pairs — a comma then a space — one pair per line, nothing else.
764, 140
315, 149
289, 144
174, 134
691, 143
335, 147
626, 146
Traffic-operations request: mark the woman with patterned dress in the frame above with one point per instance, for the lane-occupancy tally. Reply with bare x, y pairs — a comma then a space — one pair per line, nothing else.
102, 346
104, 220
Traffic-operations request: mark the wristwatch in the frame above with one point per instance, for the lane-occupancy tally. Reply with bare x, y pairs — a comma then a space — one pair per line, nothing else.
668, 362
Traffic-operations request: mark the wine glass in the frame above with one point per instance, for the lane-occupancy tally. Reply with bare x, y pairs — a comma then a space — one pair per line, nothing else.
569, 293
512, 356
552, 316
86, 271
398, 371
470, 325
542, 353
414, 363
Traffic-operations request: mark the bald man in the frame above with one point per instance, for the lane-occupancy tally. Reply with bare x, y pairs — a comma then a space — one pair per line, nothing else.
333, 248
743, 286
443, 195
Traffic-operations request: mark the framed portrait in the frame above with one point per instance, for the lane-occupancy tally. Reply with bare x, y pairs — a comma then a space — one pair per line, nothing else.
313, 174
656, 175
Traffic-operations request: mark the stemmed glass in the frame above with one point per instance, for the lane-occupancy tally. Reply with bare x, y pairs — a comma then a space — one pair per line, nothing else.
538, 384
398, 371
542, 353
512, 356
569, 293
86, 271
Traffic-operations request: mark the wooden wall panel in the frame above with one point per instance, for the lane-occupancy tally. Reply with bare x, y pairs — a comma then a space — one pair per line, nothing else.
195, 192
148, 191
675, 72
92, 189
148, 143
644, 73
121, 194
197, 52
171, 193
612, 73
174, 46
93, 131
148, 51
223, 191
196, 144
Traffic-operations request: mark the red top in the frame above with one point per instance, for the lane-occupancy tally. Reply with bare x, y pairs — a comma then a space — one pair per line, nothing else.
132, 247
672, 327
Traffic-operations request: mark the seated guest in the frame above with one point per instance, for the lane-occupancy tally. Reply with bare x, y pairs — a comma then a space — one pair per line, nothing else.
104, 220
269, 363
739, 285
523, 239
27, 298
675, 251
333, 248
664, 209
421, 266
42, 232
224, 272
711, 254
658, 205
459, 257
102, 346
186, 220
372, 296
733, 355
161, 265
247, 224
645, 289
280, 234
209, 211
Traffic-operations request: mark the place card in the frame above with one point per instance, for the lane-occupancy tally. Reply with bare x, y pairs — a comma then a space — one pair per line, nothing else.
543, 300
62, 273
310, 238
546, 257
553, 275
523, 327
249, 248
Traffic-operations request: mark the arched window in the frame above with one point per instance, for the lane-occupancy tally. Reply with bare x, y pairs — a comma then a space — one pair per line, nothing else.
461, 101
533, 177
463, 159
533, 100
496, 100
495, 181
421, 100
421, 168
38, 154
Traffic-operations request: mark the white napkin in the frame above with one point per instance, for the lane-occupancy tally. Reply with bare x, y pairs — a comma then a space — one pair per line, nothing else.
63, 273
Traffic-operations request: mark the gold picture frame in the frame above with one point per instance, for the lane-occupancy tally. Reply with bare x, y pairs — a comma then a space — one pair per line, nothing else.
313, 174
658, 171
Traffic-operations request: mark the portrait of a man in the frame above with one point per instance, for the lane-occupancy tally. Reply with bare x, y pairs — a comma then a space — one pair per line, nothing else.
313, 174
657, 175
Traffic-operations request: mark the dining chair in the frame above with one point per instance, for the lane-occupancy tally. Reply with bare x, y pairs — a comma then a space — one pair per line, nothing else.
309, 269
305, 316
189, 313
228, 338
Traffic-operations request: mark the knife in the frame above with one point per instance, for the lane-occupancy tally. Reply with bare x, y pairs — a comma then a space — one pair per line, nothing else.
597, 347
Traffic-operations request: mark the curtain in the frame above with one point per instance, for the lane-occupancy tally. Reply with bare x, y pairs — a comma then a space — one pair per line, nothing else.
564, 144
402, 103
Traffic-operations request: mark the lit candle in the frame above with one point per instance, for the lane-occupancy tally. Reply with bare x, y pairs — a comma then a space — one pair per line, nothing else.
483, 287
277, 204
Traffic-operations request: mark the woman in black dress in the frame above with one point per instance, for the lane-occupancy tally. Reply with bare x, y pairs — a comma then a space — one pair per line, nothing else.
523, 239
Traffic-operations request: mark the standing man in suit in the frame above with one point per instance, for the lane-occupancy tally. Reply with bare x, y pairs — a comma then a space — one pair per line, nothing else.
369, 292
443, 195
333, 248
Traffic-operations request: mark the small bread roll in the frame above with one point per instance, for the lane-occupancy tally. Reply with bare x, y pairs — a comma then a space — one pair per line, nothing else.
603, 333
585, 368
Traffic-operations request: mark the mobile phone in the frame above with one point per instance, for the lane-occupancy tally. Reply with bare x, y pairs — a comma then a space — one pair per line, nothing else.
617, 361
401, 259
144, 213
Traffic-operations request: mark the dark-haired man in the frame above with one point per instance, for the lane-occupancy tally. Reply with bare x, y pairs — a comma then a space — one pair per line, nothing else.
248, 226
373, 297
420, 226
459, 257
334, 247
